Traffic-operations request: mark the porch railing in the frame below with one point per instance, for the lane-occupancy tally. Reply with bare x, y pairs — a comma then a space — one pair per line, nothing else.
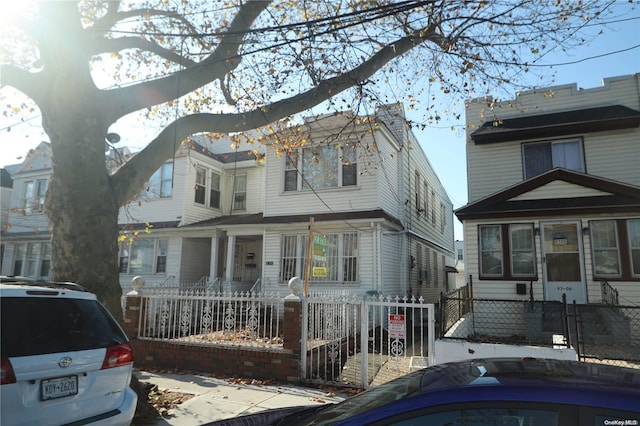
609, 294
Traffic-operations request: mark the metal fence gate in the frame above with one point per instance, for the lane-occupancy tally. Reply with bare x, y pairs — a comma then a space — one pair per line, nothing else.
357, 343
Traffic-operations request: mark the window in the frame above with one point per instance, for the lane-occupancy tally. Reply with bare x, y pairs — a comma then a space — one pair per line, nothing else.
443, 217
433, 208
418, 194
240, 192
214, 195
160, 183
32, 260
460, 255
513, 258
201, 185
426, 200
541, 157
634, 242
321, 167
144, 256
604, 239
616, 249
341, 258
34, 192
523, 262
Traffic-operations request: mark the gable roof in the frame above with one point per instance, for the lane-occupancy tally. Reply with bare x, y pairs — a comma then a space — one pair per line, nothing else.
600, 196
557, 124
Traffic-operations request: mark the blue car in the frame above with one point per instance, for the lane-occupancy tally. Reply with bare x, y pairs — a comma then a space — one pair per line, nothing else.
494, 391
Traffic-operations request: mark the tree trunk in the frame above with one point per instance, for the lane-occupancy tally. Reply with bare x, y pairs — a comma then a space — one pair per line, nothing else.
82, 207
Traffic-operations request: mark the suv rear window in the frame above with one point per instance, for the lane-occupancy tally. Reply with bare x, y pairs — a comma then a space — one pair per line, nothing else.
35, 326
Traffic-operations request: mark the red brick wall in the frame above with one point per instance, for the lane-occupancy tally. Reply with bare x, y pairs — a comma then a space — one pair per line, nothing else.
276, 364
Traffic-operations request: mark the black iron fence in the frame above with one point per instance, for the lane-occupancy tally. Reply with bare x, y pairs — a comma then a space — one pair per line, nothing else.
604, 332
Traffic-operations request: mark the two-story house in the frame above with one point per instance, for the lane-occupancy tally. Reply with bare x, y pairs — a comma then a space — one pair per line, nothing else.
233, 215
554, 193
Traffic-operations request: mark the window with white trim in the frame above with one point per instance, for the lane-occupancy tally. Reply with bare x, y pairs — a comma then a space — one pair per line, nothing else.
341, 262
200, 186
143, 256
240, 192
539, 157
32, 260
34, 193
214, 193
321, 167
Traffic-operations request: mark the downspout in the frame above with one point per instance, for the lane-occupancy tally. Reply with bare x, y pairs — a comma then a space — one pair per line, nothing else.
378, 248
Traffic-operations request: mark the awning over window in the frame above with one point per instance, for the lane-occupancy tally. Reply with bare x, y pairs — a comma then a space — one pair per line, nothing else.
557, 124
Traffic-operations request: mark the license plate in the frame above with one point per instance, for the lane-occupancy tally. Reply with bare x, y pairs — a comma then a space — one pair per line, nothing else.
58, 387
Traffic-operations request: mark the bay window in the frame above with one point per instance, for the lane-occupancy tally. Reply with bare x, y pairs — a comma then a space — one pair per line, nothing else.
321, 167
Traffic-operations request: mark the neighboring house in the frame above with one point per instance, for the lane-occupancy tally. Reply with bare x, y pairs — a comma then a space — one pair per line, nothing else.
6, 189
25, 231
236, 216
554, 193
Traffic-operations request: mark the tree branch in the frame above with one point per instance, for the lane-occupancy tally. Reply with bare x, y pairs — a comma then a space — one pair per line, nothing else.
136, 171
28, 83
121, 43
224, 59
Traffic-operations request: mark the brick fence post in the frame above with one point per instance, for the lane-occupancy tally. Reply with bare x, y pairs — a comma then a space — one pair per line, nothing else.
133, 309
292, 330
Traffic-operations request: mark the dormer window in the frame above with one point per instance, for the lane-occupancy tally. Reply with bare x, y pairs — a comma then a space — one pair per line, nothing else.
539, 157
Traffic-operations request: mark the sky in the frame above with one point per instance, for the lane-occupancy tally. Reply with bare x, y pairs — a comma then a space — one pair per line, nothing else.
586, 66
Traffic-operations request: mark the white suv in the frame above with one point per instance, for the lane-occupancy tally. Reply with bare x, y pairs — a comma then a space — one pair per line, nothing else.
64, 358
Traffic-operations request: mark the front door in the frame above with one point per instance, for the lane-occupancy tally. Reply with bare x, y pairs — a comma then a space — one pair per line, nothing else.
562, 261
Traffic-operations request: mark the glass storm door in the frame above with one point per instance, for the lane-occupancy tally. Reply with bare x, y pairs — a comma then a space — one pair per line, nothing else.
562, 259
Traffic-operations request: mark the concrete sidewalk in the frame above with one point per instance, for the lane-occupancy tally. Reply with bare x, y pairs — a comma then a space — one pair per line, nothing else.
216, 399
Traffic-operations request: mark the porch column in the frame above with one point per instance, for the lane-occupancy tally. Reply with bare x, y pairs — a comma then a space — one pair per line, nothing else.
231, 255
213, 261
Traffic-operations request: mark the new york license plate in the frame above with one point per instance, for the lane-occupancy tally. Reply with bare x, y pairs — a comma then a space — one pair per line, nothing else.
58, 387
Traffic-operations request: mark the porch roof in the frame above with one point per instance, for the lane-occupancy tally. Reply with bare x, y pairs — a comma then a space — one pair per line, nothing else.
619, 198
557, 124
261, 219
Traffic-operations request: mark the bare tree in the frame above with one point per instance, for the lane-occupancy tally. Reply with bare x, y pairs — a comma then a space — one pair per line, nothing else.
229, 66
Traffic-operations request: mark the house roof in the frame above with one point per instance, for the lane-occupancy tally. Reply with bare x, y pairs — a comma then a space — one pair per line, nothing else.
259, 218
227, 157
607, 196
557, 124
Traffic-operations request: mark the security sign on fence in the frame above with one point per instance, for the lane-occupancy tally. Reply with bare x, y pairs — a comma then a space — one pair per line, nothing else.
397, 326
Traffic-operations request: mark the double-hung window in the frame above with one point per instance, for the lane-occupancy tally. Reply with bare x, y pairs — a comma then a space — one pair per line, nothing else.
321, 167
34, 192
143, 256
200, 186
539, 157
510, 258
214, 193
340, 262
615, 249
32, 260
160, 183
240, 192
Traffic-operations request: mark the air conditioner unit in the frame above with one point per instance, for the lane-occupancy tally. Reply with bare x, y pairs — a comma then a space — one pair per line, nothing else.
423, 275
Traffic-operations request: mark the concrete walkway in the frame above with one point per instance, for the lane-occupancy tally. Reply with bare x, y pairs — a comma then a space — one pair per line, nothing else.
216, 399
